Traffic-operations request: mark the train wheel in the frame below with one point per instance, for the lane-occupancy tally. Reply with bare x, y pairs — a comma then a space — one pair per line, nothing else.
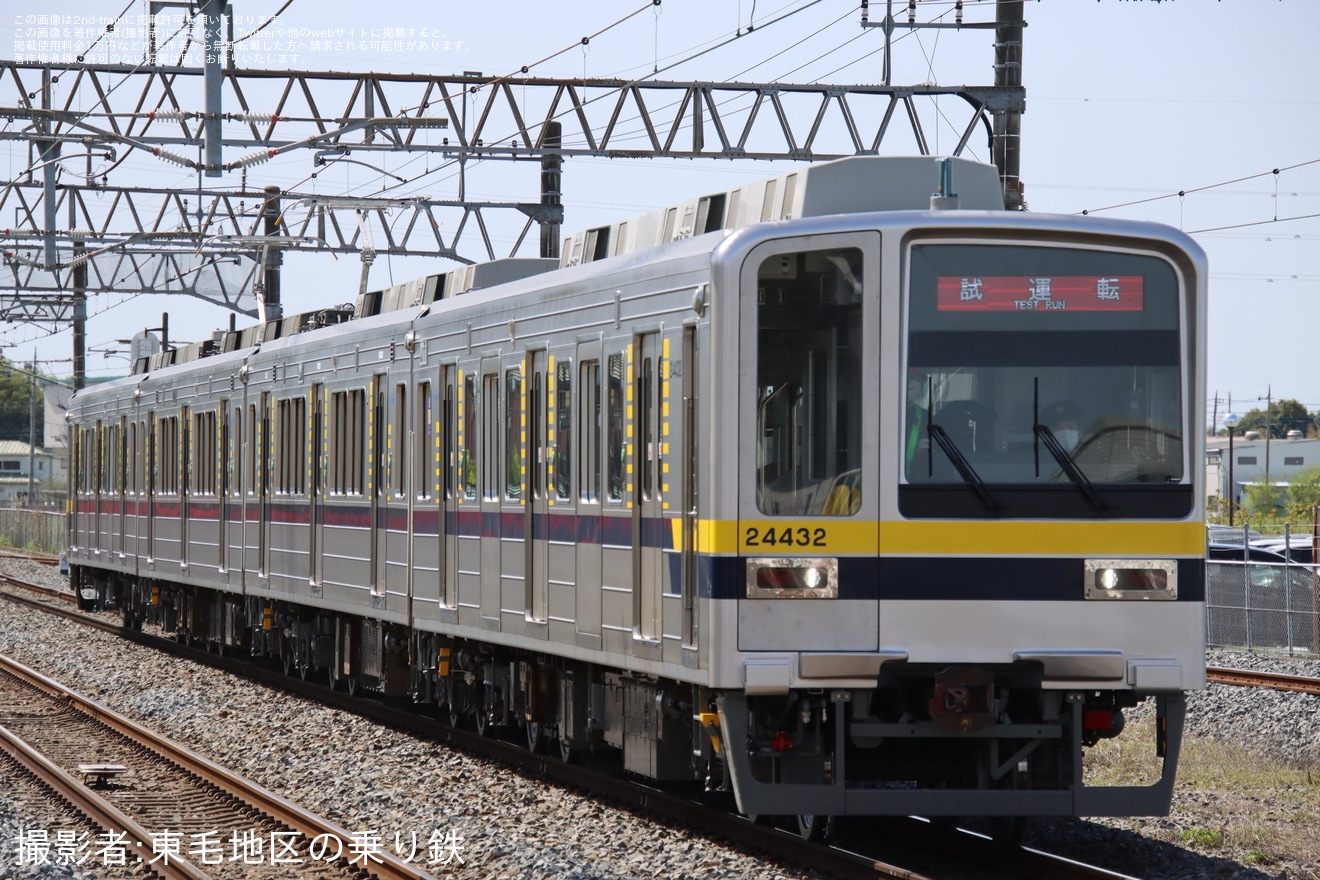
567, 753
354, 687
287, 657
1008, 830
814, 829
535, 737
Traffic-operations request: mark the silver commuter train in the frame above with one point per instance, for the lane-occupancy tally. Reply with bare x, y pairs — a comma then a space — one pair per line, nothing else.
761, 489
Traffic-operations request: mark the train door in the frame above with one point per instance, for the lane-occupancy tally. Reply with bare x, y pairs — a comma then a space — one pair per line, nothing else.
222, 490
536, 495
688, 493
450, 486
590, 485
425, 571
645, 464
149, 427
128, 434
96, 538
185, 486
376, 489
490, 474
316, 557
262, 463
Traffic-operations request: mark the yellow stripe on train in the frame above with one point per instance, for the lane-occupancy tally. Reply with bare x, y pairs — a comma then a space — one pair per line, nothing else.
817, 537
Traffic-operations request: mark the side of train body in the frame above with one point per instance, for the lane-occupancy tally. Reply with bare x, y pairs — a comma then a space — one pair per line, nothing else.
759, 489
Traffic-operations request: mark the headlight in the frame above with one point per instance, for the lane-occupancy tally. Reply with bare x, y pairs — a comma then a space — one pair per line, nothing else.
792, 578
1131, 579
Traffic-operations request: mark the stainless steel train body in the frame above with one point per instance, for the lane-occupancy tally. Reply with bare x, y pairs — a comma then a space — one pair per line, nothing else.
761, 490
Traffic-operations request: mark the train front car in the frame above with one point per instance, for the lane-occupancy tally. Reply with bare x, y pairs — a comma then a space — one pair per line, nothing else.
969, 512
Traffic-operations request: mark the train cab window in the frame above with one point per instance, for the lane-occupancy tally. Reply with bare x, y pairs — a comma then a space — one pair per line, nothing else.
809, 339
1041, 370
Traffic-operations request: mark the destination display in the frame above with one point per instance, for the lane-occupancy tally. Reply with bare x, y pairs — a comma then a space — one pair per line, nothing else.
1041, 293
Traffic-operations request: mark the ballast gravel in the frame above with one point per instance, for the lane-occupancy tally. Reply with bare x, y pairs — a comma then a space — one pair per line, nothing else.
459, 816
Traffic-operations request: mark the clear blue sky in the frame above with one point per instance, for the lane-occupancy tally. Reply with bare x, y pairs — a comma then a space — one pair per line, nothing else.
1128, 103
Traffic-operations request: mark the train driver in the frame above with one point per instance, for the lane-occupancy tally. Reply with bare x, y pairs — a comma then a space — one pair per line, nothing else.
1062, 419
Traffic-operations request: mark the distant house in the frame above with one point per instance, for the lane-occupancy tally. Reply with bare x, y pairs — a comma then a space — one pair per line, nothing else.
48, 470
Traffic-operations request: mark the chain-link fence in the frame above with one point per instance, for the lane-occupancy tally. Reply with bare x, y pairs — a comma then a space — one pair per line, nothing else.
43, 531
1263, 606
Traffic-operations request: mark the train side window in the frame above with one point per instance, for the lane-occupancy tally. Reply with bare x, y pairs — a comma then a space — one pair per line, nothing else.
291, 446
646, 431
513, 470
347, 422
204, 453
131, 462
614, 430
809, 341
283, 415
489, 468
589, 447
168, 461
112, 459
399, 442
425, 438
467, 461
563, 422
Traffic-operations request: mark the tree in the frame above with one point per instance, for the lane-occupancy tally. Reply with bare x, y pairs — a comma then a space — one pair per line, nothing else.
16, 403
1284, 415
1262, 501
1304, 494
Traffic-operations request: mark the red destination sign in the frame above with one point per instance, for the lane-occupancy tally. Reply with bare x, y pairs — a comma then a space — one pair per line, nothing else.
1039, 293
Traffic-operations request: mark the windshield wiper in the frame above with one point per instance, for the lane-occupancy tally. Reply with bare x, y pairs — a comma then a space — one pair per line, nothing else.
1069, 465
963, 466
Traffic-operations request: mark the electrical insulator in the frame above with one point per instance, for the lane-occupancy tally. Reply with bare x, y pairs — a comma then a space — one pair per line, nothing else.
957, 12
253, 159
263, 118
865, 12
170, 115
173, 157
912, 11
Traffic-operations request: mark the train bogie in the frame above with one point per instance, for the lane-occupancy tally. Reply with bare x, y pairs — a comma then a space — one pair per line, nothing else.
786, 504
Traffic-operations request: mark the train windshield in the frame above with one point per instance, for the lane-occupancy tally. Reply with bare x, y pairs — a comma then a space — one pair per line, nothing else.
1044, 366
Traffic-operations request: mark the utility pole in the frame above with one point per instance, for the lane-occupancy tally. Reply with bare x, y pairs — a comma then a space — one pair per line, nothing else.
32, 428
1007, 146
1269, 435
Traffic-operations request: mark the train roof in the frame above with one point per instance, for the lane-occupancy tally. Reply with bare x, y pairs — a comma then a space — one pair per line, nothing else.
856, 184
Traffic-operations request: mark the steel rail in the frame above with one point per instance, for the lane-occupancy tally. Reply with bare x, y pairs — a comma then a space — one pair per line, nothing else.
1299, 684
381, 864
96, 808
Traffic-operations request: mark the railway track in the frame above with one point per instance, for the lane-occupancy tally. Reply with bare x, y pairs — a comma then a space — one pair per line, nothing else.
1275, 681
858, 856
162, 805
